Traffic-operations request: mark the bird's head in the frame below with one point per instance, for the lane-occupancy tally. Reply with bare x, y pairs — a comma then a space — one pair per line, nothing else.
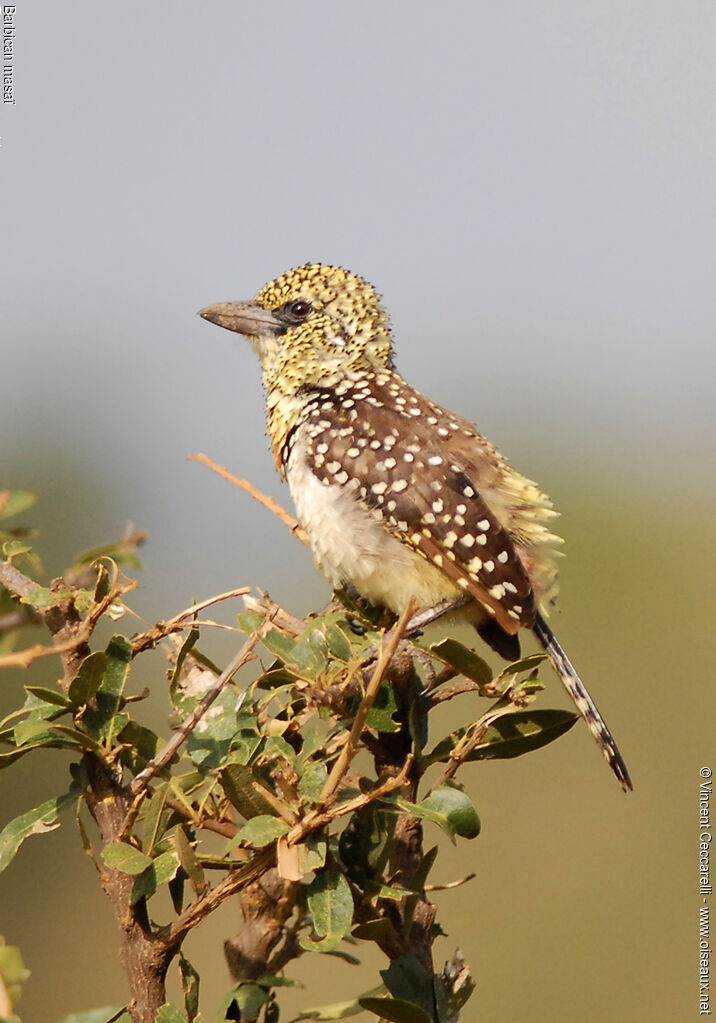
310, 326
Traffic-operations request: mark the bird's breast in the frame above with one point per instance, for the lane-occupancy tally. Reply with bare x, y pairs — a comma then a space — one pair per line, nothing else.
350, 543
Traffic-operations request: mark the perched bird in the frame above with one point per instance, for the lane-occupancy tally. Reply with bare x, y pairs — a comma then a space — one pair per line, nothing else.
399, 496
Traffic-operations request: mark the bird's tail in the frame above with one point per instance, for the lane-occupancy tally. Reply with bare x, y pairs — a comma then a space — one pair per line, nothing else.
583, 701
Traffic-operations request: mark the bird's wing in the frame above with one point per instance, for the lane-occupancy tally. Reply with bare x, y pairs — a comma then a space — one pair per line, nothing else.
392, 447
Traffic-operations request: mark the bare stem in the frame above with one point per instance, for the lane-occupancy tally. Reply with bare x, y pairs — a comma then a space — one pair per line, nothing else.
268, 502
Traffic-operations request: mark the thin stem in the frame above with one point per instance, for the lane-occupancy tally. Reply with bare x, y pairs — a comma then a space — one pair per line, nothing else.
160, 761
268, 502
351, 747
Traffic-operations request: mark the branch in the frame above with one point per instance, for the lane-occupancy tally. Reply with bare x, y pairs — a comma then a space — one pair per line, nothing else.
160, 761
268, 502
145, 640
351, 747
262, 861
15, 581
510, 702
62, 619
431, 614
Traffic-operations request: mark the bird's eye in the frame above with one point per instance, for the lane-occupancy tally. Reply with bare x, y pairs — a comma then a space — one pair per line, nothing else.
299, 310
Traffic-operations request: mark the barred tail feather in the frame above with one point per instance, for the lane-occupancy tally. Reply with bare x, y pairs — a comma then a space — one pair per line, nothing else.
583, 701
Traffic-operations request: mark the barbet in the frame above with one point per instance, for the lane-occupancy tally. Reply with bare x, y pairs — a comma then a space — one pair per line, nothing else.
399, 496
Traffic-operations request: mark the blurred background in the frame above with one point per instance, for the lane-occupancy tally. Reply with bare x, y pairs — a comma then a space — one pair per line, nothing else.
531, 187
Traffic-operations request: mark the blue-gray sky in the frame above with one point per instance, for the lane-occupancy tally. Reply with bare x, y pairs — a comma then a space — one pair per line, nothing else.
531, 187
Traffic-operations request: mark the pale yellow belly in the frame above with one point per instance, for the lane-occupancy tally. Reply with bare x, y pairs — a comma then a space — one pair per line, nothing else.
350, 544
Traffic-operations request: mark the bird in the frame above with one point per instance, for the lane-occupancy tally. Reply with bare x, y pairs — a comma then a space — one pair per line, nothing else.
398, 496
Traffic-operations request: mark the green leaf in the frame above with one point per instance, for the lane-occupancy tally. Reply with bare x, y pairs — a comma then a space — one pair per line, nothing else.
463, 660
397, 1010
237, 781
279, 644
315, 856
77, 736
53, 696
312, 781
338, 642
339, 1010
27, 732
379, 929
125, 857
406, 980
190, 987
151, 818
247, 998
111, 691
380, 715
161, 871
35, 822
524, 664
365, 844
170, 1014
276, 746
276, 676
210, 742
261, 830
304, 655
142, 745
510, 736
13, 548
448, 807
330, 904
41, 597
15, 502
249, 622
188, 859
86, 682
102, 586
455, 806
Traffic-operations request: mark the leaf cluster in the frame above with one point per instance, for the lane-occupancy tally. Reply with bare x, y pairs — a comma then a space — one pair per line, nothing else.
266, 797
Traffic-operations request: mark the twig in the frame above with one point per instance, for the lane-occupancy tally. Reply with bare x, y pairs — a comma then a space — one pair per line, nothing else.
431, 614
263, 860
264, 605
450, 884
268, 502
437, 696
351, 747
60, 617
157, 763
507, 704
19, 619
160, 630
15, 581
226, 828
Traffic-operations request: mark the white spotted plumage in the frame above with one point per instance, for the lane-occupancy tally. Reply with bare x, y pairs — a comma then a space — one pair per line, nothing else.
397, 495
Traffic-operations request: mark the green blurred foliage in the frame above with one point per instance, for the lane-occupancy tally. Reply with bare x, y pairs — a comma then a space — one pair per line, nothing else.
584, 875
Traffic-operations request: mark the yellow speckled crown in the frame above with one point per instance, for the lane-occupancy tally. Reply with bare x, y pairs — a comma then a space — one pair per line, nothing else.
344, 297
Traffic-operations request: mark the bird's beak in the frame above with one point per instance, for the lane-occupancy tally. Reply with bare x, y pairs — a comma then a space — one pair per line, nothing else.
242, 317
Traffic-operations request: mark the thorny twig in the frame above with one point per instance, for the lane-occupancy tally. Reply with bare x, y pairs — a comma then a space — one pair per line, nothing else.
268, 502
